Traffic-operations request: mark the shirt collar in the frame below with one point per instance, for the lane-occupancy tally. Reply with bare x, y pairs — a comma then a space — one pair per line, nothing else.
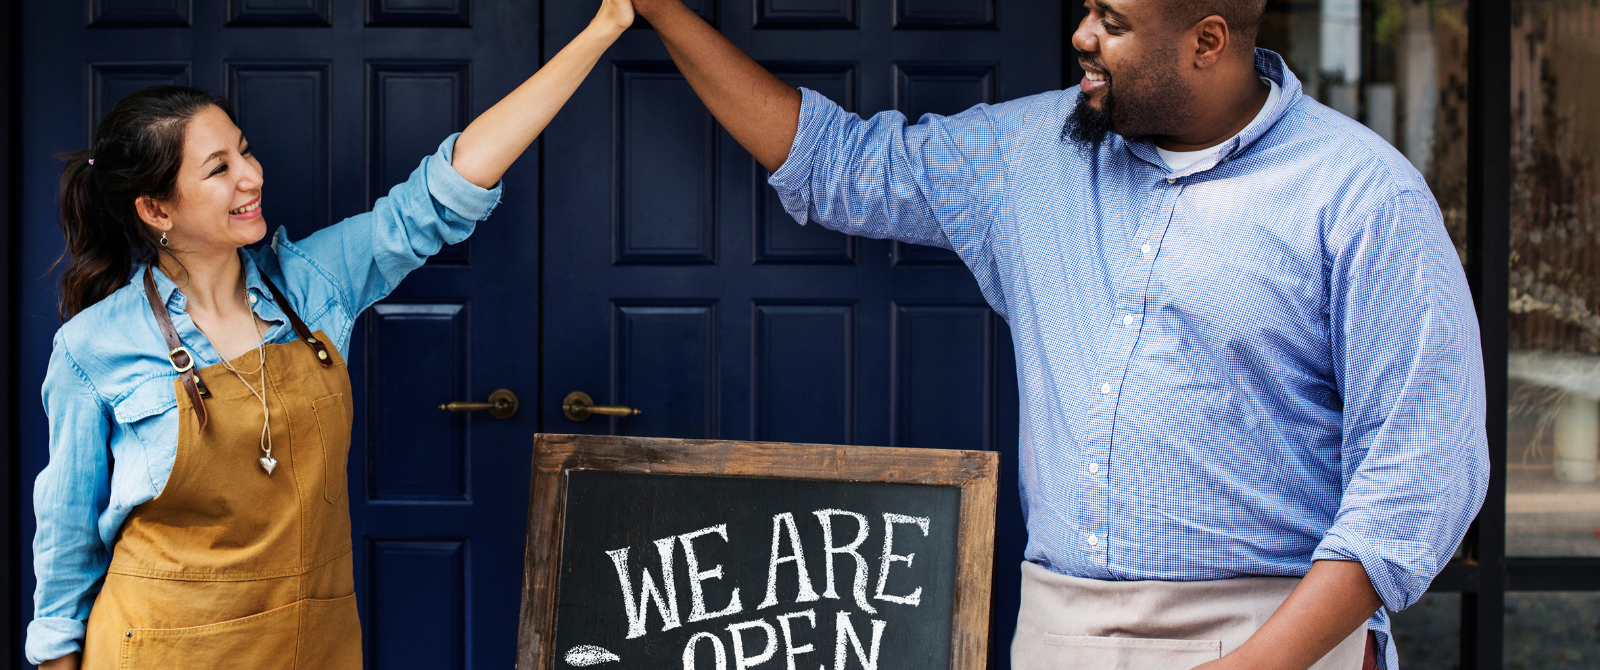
166, 289
1269, 65
262, 303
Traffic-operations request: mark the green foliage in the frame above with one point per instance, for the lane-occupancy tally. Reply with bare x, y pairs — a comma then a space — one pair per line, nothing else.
1552, 631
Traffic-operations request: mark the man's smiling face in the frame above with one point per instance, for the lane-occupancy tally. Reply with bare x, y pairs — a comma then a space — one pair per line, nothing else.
1132, 59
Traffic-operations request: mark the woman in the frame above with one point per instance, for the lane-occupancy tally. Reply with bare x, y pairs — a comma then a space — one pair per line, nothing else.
198, 399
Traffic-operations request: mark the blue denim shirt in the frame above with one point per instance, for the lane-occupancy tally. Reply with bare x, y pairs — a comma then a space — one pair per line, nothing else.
1264, 359
109, 383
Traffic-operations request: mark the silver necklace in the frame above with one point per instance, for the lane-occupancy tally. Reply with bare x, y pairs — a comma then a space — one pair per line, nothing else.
267, 461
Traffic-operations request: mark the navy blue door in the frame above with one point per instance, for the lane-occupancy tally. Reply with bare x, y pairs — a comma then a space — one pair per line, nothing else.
341, 99
675, 284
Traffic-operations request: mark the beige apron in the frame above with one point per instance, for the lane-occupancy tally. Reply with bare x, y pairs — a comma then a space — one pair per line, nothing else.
231, 567
1071, 623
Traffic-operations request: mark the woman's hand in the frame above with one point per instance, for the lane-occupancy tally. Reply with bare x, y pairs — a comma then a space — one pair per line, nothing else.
69, 662
616, 14
495, 139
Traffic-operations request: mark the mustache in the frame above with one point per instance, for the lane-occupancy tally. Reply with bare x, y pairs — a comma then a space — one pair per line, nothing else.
1096, 66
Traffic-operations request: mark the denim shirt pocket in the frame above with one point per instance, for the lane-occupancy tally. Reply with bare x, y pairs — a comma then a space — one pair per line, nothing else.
147, 413
151, 397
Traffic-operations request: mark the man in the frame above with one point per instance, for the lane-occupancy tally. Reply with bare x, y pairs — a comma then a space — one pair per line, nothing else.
1251, 386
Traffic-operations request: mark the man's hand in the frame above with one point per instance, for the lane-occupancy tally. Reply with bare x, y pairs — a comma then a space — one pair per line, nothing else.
758, 109
1327, 606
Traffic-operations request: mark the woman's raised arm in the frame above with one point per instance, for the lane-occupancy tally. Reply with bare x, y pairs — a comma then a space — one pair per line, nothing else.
494, 140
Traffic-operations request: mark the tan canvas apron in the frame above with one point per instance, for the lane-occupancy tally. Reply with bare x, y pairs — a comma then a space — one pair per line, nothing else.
230, 567
1071, 623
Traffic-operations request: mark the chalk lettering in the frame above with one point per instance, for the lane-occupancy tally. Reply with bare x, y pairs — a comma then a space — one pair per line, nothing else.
636, 610
697, 610
789, 650
889, 557
807, 594
742, 662
716, 646
843, 629
859, 587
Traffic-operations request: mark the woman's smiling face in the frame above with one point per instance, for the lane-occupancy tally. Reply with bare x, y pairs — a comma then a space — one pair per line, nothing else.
217, 203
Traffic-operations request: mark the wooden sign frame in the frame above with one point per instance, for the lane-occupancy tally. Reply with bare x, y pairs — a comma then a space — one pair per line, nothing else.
976, 473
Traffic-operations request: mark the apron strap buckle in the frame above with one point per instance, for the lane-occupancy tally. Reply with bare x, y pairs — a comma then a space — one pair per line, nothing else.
188, 359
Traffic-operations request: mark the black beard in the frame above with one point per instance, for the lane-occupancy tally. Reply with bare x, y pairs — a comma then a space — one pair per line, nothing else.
1087, 126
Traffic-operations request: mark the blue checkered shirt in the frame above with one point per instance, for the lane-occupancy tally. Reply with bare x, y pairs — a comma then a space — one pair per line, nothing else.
1265, 359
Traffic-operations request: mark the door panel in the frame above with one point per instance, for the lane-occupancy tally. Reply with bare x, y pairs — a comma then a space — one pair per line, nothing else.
943, 375
423, 455
140, 13
804, 377
341, 99
666, 356
284, 106
666, 144
110, 82
302, 13
420, 626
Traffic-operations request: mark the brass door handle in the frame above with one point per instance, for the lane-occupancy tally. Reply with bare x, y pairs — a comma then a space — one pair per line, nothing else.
502, 405
578, 406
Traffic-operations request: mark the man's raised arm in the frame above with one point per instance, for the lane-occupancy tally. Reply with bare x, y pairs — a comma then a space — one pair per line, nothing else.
758, 109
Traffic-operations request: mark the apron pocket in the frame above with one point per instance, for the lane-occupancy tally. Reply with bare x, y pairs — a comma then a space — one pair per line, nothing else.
1130, 653
321, 634
333, 425
330, 634
264, 641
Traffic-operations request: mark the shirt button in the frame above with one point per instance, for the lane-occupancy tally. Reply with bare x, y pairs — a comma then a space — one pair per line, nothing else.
1105, 388
1145, 249
252, 298
1127, 320
1093, 540
1094, 468
1172, 180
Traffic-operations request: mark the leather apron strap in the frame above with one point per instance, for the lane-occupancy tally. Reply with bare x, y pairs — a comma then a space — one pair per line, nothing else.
300, 329
181, 358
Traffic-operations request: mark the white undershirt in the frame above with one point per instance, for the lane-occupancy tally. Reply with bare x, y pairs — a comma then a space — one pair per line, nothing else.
1178, 160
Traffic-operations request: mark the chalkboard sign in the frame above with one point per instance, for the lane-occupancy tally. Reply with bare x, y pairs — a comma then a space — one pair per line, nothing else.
648, 554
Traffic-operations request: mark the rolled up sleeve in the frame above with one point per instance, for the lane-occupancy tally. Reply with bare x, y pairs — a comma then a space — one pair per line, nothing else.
1409, 366
939, 182
69, 498
368, 254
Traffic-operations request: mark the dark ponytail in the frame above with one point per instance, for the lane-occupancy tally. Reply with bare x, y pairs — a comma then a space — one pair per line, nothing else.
137, 151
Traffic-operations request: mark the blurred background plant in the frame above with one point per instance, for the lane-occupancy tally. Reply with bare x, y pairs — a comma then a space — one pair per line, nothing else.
1555, 202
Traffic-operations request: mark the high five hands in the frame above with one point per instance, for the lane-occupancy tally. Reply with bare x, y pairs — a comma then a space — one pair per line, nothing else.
496, 138
615, 14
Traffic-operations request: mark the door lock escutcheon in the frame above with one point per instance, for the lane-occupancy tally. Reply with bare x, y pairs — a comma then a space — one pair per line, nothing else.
579, 406
502, 405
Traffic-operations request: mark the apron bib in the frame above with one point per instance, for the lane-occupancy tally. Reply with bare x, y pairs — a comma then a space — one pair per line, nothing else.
1072, 623
232, 567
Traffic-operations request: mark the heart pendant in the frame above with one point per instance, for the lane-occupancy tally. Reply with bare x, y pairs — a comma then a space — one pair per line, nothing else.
268, 463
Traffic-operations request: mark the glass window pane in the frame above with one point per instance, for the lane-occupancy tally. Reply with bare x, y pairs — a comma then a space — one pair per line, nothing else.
1553, 492
1398, 66
1557, 630
1428, 634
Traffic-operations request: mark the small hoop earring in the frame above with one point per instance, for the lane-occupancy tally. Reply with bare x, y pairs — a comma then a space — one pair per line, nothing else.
163, 238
